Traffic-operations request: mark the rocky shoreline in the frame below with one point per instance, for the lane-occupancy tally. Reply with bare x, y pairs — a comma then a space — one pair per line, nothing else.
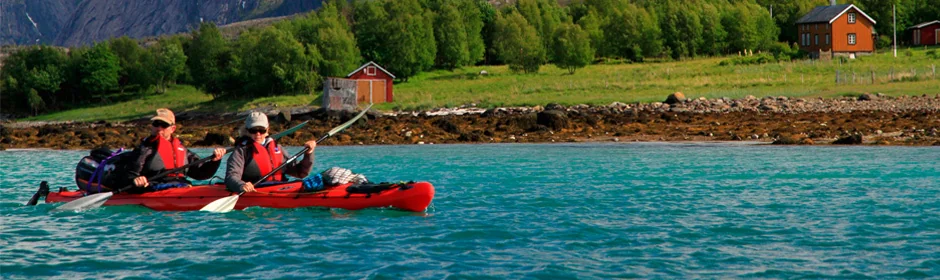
865, 120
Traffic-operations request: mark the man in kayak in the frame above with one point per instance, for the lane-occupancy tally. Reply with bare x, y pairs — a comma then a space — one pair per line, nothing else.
162, 151
256, 154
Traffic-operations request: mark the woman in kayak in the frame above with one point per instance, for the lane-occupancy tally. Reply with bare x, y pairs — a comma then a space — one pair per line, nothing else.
162, 151
256, 154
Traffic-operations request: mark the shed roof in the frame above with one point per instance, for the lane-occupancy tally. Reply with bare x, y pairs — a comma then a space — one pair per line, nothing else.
828, 14
373, 64
922, 25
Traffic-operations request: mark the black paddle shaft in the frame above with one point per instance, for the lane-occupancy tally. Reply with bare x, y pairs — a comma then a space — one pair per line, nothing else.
289, 160
174, 170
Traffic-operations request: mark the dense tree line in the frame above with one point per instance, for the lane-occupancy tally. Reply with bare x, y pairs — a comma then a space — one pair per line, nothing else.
408, 37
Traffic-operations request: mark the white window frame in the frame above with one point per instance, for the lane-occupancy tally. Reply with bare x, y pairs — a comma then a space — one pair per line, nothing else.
852, 39
370, 70
851, 17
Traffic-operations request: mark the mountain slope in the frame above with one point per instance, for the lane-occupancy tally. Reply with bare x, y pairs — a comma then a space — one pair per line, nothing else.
83, 22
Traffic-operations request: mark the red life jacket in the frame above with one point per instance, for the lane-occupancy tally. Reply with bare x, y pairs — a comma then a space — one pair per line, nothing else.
173, 155
267, 158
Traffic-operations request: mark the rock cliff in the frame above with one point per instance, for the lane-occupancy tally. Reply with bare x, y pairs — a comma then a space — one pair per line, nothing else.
83, 22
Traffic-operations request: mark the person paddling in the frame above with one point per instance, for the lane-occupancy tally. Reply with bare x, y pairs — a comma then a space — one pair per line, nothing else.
163, 151
256, 154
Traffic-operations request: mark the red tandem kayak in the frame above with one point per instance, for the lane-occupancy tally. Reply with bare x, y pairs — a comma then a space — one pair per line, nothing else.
412, 196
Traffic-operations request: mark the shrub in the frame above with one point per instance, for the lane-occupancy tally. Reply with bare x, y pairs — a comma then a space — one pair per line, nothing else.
933, 54
747, 60
883, 42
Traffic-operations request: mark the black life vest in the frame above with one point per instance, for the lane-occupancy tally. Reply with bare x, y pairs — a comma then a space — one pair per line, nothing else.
169, 155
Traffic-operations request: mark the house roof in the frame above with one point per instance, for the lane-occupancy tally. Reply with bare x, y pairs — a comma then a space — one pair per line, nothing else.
922, 25
828, 14
367, 64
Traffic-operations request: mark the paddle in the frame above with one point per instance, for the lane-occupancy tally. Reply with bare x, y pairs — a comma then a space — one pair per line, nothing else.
98, 199
227, 203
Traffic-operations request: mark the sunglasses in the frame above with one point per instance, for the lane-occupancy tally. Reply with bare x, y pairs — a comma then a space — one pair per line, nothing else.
161, 124
255, 130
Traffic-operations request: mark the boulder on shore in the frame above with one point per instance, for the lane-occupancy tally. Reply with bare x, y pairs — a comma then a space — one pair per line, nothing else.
675, 98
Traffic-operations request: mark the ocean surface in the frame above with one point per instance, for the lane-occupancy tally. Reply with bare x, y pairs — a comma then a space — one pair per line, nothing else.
545, 211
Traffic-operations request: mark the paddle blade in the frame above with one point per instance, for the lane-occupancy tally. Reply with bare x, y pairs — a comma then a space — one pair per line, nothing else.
221, 205
88, 202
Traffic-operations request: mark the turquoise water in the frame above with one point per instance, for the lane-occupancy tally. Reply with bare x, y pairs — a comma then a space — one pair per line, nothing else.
552, 211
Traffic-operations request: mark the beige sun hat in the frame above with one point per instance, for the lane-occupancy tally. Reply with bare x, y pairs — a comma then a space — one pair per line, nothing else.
164, 114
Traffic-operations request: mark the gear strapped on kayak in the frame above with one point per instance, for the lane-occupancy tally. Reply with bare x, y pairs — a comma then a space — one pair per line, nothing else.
91, 171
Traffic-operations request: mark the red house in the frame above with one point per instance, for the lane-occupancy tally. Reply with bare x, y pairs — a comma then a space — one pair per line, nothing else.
926, 34
836, 30
378, 79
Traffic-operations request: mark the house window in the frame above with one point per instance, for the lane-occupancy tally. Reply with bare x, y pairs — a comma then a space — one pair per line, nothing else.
851, 17
851, 38
370, 70
816, 39
827, 39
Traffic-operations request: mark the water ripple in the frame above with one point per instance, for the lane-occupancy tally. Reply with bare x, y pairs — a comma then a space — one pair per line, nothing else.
563, 211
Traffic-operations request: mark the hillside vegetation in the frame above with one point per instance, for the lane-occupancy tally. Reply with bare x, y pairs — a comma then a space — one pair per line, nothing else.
585, 52
599, 84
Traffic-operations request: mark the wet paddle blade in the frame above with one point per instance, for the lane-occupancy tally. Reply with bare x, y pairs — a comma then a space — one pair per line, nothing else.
88, 202
221, 205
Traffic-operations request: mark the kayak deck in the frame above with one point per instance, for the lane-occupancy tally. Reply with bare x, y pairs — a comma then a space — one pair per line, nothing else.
412, 196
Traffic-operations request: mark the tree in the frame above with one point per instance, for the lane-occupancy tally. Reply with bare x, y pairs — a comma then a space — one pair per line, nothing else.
35, 102
571, 47
591, 23
409, 46
451, 36
336, 53
209, 59
681, 29
473, 22
272, 62
488, 16
99, 70
131, 58
544, 16
632, 33
369, 28
713, 33
787, 12
31, 73
170, 62
515, 46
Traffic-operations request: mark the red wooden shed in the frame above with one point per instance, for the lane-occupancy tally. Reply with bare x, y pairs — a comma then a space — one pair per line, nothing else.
372, 72
926, 34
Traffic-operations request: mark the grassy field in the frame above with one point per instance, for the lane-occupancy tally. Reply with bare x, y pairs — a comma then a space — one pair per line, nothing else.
648, 82
913, 72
